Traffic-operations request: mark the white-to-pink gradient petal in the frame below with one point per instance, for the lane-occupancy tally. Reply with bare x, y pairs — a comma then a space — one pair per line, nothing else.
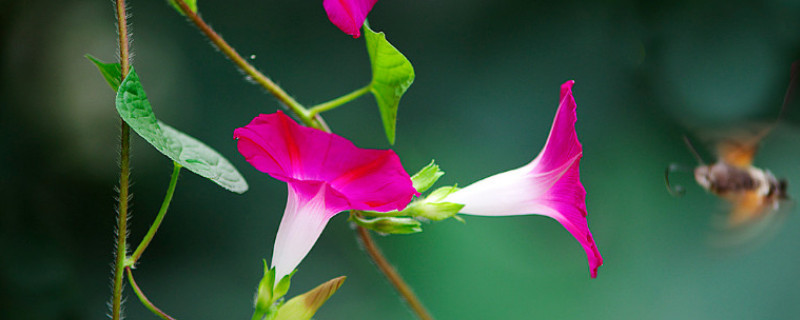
301, 225
549, 185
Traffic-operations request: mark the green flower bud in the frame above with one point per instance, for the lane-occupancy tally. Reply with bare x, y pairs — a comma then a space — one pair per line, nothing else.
389, 225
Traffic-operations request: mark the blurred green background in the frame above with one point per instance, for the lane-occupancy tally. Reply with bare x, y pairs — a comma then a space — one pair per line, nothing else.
488, 75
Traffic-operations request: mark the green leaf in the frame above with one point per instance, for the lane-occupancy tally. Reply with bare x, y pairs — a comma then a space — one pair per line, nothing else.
425, 178
304, 306
190, 153
392, 74
191, 3
110, 71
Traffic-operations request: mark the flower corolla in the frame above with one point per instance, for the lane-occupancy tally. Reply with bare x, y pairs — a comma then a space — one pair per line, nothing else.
549, 185
325, 174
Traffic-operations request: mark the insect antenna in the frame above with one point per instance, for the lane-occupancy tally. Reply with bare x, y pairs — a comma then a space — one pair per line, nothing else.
788, 98
693, 151
677, 190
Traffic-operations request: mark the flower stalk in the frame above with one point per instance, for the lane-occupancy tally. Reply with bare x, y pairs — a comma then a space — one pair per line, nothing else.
394, 277
146, 302
131, 261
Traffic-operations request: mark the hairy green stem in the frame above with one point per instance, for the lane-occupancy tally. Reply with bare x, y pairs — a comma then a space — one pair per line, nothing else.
173, 181
322, 107
315, 121
245, 66
146, 302
124, 171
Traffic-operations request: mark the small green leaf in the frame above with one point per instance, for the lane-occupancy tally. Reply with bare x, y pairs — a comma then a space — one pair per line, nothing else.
191, 3
304, 306
392, 74
110, 71
389, 225
190, 153
425, 178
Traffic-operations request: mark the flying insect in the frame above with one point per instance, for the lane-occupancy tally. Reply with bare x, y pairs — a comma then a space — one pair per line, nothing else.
753, 193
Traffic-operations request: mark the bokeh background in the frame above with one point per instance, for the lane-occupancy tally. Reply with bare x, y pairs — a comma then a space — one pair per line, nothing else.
488, 75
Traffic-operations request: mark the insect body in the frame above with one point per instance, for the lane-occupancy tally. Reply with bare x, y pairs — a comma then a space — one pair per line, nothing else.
752, 192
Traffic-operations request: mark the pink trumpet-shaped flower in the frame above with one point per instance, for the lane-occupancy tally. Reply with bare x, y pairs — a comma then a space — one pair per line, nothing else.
348, 15
326, 174
549, 185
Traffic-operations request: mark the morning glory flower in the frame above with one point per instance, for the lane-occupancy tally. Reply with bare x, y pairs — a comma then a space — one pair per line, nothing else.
348, 15
325, 174
549, 185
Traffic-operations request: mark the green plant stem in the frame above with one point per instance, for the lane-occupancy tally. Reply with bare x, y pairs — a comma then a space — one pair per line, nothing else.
124, 171
146, 302
315, 121
322, 107
246, 67
397, 281
173, 181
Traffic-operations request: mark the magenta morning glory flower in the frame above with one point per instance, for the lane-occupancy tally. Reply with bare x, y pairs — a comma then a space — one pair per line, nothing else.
549, 185
348, 15
325, 173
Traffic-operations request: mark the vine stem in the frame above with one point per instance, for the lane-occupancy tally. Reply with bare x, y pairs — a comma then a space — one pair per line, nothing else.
313, 120
124, 170
388, 270
245, 66
146, 302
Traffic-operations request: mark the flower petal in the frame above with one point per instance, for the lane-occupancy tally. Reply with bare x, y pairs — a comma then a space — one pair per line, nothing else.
566, 202
368, 179
549, 185
302, 223
348, 15
562, 143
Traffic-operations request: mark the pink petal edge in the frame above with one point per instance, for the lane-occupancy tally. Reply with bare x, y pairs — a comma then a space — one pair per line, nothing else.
367, 179
567, 197
325, 173
348, 15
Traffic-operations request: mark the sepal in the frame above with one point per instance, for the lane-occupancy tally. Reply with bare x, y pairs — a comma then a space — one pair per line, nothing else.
389, 225
426, 177
269, 295
304, 306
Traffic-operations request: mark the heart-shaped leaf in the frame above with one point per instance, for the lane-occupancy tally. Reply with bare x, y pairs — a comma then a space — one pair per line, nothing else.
189, 152
110, 71
392, 74
192, 154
